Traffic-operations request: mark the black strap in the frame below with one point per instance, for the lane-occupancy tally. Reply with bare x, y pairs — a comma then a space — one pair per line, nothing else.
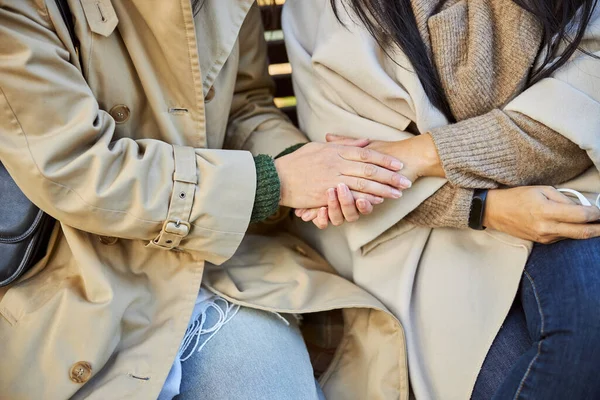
65, 11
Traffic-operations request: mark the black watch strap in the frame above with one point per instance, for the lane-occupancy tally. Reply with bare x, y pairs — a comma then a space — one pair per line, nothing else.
478, 209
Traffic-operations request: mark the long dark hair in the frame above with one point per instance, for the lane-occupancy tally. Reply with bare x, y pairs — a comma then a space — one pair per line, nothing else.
394, 21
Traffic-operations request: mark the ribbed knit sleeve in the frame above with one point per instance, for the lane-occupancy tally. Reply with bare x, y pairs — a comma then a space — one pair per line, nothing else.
448, 207
492, 150
506, 148
268, 186
268, 189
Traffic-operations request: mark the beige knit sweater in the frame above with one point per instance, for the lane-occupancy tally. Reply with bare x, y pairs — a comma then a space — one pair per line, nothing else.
483, 62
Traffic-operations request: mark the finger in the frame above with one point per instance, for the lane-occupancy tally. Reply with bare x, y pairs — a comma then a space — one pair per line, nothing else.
364, 206
347, 141
378, 174
299, 212
572, 213
347, 202
578, 231
310, 214
322, 219
554, 195
370, 156
334, 210
368, 197
370, 187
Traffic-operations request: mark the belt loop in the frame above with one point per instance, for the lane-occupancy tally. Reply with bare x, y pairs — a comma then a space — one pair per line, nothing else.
185, 179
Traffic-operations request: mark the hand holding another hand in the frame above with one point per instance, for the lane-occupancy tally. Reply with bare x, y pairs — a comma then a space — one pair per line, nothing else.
306, 174
419, 156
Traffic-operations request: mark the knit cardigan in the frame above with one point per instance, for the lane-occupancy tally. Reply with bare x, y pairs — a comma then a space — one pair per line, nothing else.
483, 62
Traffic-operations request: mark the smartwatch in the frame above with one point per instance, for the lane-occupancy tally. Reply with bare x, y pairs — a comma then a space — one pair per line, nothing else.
478, 209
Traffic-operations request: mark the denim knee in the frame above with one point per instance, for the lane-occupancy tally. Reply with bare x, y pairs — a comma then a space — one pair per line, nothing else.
578, 335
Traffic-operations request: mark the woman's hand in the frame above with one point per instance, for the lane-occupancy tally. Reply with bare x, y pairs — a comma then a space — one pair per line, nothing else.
418, 154
307, 173
341, 206
540, 214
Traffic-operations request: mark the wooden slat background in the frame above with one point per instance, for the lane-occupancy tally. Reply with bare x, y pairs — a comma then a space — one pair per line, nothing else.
279, 67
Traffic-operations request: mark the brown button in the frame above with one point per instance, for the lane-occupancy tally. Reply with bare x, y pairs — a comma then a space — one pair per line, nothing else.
120, 113
210, 95
108, 240
81, 372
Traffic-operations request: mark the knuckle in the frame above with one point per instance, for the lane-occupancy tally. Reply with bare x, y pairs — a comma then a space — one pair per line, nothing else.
361, 184
333, 205
543, 239
387, 161
337, 222
346, 202
370, 170
364, 154
587, 232
542, 228
352, 218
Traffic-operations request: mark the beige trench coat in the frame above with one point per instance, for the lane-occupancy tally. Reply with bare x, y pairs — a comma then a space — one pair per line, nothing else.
120, 141
451, 288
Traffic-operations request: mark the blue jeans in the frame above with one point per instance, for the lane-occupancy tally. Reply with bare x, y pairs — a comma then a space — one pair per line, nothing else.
255, 356
549, 346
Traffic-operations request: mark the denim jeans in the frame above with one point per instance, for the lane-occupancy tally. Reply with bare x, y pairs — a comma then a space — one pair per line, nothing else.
549, 346
257, 355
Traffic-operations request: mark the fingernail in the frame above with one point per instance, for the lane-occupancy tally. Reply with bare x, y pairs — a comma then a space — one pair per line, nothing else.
343, 188
331, 194
397, 164
378, 200
405, 182
396, 194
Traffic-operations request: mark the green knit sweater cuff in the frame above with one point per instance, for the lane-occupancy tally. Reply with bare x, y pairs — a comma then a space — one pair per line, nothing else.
266, 200
290, 150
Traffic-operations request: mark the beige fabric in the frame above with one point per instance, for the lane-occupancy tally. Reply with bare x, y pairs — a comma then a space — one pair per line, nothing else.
145, 197
450, 288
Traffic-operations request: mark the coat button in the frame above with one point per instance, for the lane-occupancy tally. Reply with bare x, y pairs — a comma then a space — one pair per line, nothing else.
210, 95
120, 113
107, 240
81, 372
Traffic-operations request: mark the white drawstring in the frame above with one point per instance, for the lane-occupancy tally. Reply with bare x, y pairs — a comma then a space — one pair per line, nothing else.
582, 199
196, 329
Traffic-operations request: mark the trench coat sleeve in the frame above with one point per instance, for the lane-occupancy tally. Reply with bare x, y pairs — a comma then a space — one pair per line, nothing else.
61, 150
255, 123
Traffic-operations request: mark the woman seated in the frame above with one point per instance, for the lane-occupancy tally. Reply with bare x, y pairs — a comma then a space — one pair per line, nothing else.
478, 99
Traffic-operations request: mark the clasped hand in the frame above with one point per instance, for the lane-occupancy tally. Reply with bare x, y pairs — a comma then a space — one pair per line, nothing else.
308, 173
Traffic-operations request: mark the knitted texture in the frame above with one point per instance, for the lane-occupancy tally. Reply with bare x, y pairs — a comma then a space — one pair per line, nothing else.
483, 51
433, 211
290, 150
268, 193
268, 186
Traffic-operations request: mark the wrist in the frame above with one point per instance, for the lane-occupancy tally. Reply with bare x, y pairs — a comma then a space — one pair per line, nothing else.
432, 166
489, 214
283, 190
